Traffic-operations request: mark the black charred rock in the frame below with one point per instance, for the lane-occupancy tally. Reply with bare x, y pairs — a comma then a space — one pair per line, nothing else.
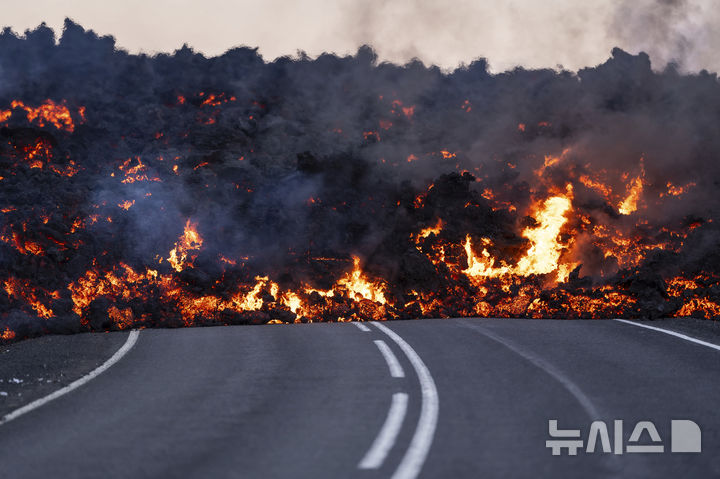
282, 315
64, 324
97, 314
307, 163
575, 281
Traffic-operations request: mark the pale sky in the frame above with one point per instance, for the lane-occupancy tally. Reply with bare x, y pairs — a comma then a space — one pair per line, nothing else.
531, 33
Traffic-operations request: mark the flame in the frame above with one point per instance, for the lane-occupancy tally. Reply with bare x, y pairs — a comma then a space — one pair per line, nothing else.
252, 301
549, 162
294, 303
424, 233
482, 266
180, 256
596, 185
676, 190
357, 283
545, 250
630, 204
124, 284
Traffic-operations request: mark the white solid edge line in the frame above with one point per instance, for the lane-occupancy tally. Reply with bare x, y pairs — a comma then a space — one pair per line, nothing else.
361, 326
584, 401
129, 343
396, 370
385, 440
421, 441
672, 333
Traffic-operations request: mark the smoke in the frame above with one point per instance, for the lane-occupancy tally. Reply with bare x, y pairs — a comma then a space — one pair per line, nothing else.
683, 32
551, 34
510, 33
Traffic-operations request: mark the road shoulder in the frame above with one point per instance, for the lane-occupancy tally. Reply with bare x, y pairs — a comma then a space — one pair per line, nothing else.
37, 367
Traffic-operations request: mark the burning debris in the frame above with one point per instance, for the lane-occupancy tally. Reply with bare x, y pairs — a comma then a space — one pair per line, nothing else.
181, 190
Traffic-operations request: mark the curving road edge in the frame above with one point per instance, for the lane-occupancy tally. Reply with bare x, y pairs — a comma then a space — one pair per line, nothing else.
129, 343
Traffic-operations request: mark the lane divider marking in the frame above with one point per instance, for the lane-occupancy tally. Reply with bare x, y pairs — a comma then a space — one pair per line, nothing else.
671, 333
362, 327
396, 370
129, 343
414, 458
385, 440
555, 373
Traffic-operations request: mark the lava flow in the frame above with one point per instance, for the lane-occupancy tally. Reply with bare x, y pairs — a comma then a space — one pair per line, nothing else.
179, 190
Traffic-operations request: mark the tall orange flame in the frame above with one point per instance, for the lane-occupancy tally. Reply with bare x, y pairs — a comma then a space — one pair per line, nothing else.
180, 256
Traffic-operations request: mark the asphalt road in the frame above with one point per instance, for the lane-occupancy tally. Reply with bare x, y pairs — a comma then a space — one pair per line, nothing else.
437, 398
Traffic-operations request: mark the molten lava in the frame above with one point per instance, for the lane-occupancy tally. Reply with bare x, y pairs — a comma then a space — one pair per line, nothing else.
48, 112
194, 191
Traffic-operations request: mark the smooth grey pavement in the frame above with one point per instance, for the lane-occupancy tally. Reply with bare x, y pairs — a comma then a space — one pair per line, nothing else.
310, 401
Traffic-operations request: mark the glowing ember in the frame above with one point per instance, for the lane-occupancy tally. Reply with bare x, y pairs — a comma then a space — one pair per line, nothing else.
34, 297
48, 112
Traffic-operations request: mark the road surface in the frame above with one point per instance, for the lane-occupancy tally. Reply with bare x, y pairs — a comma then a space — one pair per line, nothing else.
433, 398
